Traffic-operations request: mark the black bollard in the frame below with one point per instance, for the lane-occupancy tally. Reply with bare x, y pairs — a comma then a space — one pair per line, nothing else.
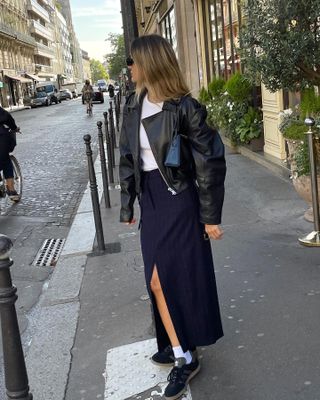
117, 109
104, 171
109, 150
16, 378
94, 195
112, 128
111, 133
313, 238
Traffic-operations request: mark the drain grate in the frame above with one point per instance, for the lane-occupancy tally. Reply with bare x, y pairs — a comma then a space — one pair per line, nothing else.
49, 253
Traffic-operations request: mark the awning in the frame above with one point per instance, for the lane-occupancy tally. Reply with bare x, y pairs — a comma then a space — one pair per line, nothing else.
19, 78
33, 77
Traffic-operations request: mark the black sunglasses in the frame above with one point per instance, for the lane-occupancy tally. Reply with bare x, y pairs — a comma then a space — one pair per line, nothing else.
130, 61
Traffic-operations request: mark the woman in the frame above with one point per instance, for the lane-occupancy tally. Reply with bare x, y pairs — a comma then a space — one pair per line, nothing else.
180, 206
7, 144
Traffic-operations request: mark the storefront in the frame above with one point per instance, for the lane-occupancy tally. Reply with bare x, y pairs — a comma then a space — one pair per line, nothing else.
18, 87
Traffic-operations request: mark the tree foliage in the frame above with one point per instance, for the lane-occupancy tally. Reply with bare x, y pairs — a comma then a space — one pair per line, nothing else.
97, 70
116, 59
281, 43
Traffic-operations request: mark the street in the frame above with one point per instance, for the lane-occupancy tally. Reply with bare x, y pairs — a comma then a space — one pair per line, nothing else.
52, 156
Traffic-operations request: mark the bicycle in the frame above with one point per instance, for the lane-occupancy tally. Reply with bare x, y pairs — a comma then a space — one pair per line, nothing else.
89, 108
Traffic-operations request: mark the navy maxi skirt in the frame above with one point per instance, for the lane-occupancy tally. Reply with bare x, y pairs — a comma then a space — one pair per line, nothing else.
172, 239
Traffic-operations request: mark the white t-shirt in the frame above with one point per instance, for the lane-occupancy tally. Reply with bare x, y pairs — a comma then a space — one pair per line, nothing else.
147, 158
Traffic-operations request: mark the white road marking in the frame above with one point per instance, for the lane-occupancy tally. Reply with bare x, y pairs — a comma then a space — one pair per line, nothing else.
129, 372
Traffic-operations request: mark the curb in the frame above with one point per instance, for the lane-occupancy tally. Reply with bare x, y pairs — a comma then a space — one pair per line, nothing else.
54, 321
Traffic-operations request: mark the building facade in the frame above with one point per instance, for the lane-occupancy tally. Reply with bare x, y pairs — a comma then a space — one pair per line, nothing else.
41, 20
74, 43
205, 37
17, 49
86, 65
62, 64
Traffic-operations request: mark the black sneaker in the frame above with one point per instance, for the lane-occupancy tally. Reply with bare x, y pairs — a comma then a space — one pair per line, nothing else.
180, 376
13, 195
164, 358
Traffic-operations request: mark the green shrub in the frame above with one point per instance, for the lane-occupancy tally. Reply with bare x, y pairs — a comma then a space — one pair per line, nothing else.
239, 88
301, 157
310, 103
216, 87
250, 126
295, 131
204, 96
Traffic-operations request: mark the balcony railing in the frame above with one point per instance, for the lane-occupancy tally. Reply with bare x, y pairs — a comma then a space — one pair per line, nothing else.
34, 6
15, 35
44, 68
45, 51
40, 30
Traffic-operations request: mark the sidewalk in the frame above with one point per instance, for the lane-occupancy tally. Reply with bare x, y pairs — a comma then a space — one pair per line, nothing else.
17, 108
96, 307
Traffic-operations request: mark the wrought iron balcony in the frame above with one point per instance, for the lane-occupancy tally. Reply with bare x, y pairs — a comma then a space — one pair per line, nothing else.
15, 35
44, 51
34, 6
41, 30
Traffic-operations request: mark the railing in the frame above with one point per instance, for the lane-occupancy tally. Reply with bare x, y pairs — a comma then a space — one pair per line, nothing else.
22, 37
41, 30
36, 7
48, 51
45, 68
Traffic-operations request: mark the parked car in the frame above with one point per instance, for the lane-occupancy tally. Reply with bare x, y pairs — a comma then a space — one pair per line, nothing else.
41, 99
65, 94
97, 96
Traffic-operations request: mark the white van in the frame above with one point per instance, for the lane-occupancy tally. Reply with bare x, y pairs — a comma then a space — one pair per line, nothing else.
51, 88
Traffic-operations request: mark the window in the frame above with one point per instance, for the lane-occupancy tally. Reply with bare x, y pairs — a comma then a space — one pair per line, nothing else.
169, 31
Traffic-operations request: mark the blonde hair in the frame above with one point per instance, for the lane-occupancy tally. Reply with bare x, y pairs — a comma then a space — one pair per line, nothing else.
160, 72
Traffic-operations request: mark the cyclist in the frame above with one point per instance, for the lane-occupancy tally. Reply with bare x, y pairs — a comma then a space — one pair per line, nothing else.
87, 93
7, 143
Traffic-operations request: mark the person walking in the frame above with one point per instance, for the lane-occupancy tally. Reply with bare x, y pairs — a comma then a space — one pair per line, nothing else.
8, 128
174, 163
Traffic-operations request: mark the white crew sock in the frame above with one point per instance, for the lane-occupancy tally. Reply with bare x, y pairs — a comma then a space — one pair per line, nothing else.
178, 353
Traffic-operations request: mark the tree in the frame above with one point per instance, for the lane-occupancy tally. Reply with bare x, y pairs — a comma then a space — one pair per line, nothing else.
116, 59
97, 70
280, 43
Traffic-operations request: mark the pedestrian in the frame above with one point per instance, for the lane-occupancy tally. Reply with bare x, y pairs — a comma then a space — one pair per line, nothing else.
8, 129
174, 163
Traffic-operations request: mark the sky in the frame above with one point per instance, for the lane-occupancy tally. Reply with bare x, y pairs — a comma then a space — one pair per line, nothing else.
93, 20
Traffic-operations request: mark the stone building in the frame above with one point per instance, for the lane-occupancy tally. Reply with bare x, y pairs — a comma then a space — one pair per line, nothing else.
205, 37
17, 49
74, 43
41, 19
86, 65
62, 63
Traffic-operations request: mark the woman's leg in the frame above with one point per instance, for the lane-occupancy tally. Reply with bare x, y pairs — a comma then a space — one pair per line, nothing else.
162, 308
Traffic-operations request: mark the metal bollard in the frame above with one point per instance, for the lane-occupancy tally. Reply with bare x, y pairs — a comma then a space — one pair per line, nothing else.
94, 195
16, 378
109, 150
103, 166
112, 128
111, 133
117, 109
313, 238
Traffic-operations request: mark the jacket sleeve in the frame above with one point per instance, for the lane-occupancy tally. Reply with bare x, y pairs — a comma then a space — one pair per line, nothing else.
209, 160
6, 118
126, 173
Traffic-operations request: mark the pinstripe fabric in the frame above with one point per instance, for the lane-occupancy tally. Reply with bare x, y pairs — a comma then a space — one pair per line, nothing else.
172, 239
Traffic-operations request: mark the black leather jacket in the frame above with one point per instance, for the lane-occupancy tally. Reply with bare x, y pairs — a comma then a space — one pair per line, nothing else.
202, 155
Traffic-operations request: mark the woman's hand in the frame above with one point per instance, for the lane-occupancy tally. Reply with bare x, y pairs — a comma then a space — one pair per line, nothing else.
213, 231
132, 222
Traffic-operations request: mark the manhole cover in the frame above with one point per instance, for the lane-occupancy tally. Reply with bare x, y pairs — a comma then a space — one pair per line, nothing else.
49, 253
